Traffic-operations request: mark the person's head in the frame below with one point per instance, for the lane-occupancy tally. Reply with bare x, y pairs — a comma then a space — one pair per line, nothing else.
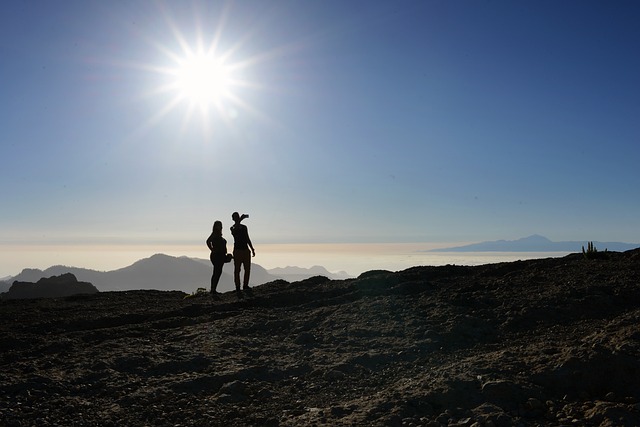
217, 227
238, 218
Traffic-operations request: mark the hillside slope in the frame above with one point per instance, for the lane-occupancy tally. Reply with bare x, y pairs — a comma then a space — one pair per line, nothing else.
541, 342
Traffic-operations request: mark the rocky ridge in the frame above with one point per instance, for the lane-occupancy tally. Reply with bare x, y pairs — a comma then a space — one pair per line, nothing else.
63, 285
530, 343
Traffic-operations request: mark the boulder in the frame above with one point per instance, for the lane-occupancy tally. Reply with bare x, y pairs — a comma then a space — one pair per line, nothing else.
50, 287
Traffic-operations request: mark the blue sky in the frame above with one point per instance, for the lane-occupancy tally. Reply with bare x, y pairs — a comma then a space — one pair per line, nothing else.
358, 121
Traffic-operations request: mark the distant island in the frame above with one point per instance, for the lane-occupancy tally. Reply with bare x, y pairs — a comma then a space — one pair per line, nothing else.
536, 243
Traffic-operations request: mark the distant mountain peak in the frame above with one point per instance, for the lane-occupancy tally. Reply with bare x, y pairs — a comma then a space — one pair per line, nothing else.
534, 238
158, 256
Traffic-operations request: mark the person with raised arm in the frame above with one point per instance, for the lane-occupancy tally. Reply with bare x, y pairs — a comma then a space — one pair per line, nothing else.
242, 252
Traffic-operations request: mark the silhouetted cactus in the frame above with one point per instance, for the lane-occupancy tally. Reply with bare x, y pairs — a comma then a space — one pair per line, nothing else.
592, 252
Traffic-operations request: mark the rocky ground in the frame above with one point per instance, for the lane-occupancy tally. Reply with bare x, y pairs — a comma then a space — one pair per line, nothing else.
530, 343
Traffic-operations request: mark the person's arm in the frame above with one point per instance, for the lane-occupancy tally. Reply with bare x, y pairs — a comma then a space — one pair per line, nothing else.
253, 251
210, 242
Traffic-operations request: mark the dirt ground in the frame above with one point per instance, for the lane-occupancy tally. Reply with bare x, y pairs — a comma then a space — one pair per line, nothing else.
549, 342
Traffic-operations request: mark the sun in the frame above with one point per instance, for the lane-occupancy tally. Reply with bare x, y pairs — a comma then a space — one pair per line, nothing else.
202, 82
201, 76
209, 75
202, 79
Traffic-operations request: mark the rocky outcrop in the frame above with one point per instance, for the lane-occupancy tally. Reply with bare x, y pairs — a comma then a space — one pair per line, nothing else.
548, 342
52, 287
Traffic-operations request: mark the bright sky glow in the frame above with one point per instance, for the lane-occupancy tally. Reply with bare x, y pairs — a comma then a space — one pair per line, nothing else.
142, 122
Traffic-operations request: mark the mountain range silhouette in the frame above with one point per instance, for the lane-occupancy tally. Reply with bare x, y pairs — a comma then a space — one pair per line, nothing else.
166, 273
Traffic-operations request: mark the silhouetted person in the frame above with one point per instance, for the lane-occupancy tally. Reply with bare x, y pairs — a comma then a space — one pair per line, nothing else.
219, 256
242, 251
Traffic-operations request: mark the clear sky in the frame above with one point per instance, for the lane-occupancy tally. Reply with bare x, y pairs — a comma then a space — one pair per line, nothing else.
141, 122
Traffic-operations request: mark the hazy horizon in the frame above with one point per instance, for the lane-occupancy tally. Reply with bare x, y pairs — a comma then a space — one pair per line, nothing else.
140, 123
352, 258
334, 257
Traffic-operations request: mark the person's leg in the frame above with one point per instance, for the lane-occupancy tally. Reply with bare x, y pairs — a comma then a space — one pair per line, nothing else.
247, 270
215, 277
237, 264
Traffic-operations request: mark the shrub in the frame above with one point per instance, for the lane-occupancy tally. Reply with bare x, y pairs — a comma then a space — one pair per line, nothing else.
200, 292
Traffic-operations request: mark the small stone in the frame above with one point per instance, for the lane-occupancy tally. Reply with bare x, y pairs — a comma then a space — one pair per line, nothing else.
233, 387
337, 411
534, 404
334, 375
305, 338
443, 418
393, 421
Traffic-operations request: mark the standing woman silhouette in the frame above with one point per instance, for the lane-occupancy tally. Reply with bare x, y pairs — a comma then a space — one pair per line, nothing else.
218, 247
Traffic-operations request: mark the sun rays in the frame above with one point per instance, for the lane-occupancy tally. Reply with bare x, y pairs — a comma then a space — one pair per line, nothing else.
202, 75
